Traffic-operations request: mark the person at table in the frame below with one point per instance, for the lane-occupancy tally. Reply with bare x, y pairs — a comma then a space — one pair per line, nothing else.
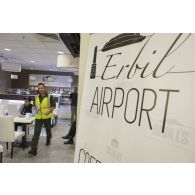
27, 107
44, 106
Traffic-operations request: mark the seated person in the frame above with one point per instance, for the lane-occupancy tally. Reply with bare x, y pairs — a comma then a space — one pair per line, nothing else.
27, 107
71, 134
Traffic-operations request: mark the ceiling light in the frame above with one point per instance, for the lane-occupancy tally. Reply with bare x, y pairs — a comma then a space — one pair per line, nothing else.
13, 76
32, 61
60, 52
6, 49
11, 67
67, 61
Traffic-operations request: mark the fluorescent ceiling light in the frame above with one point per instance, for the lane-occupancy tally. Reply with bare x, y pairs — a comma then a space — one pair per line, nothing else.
32, 61
60, 52
13, 76
6, 49
67, 61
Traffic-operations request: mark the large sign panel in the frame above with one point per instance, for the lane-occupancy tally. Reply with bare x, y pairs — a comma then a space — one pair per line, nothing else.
138, 99
50, 80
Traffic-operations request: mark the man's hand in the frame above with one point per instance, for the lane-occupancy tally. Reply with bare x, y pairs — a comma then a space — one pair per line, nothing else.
50, 111
47, 113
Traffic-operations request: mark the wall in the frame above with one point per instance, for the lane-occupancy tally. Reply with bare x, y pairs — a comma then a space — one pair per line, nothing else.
82, 66
5, 81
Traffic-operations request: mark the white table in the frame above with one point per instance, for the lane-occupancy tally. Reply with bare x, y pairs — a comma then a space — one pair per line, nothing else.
25, 122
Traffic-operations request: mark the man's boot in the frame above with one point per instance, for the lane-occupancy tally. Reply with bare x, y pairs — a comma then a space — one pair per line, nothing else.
33, 151
66, 137
47, 142
70, 141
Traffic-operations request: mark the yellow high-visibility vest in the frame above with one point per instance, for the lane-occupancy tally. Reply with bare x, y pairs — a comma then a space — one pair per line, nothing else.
44, 107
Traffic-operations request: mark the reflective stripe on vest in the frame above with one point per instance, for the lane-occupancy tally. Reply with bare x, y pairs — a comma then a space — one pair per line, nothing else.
44, 107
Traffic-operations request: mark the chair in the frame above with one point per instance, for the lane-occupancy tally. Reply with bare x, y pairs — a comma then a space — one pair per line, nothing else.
1, 153
2, 107
8, 133
12, 109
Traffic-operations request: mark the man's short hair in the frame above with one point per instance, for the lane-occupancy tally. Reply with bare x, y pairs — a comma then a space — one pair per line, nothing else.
27, 98
41, 84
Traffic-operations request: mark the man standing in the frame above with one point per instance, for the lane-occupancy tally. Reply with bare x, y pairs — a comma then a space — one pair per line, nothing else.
71, 134
44, 106
73, 98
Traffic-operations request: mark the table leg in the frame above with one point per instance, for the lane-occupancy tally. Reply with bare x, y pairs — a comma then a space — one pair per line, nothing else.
24, 137
1, 157
24, 143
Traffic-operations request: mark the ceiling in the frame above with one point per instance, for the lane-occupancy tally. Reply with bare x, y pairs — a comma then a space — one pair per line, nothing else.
32, 50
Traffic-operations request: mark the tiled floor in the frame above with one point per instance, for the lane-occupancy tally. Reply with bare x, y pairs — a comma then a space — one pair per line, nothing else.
57, 152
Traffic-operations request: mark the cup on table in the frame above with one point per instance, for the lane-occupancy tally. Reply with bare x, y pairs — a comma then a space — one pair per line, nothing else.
28, 115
